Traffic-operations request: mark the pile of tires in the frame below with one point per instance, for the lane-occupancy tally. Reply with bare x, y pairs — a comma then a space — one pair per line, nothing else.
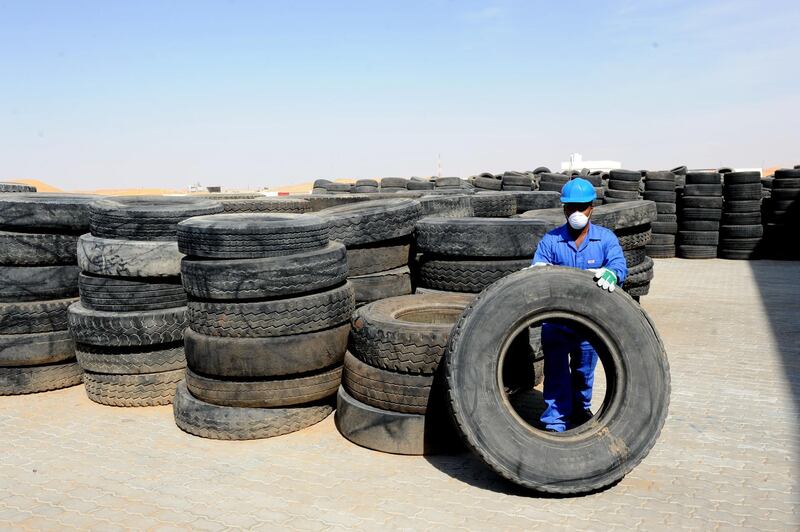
325, 186
16, 187
390, 400
741, 231
552, 182
366, 186
394, 184
377, 235
487, 181
38, 282
782, 215
623, 185
699, 215
419, 183
454, 184
469, 254
517, 181
660, 188
129, 323
268, 319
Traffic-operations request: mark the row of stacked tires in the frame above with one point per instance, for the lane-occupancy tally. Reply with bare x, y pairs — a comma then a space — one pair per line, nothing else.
38, 236
16, 187
782, 214
391, 184
660, 188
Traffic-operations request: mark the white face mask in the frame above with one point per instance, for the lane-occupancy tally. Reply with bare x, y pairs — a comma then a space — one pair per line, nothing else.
578, 220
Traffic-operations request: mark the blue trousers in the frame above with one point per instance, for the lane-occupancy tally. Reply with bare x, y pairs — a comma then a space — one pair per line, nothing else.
569, 362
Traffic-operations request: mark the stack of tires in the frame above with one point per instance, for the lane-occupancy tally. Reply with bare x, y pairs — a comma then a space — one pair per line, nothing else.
38, 282
268, 320
660, 188
366, 186
389, 400
469, 254
552, 182
418, 183
487, 181
377, 235
265, 204
16, 187
493, 204
325, 186
699, 216
781, 215
129, 323
517, 181
741, 231
623, 185
394, 184
448, 183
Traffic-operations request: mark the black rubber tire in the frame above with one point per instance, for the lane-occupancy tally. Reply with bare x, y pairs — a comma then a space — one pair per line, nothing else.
245, 236
36, 349
640, 274
34, 283
448, 182
698, 238
702, 202
743, 192
449, 206
742, 244
273, 393
34, 379
549, 177
276, 356
130, 294
659, 176
638, 291
493, 205
625, 215
34, 316
742, 178
625, 175
549, 186
365, 190
264, 204
697, 252
465, 275
669, 228
378, 257
16, 188
666, 208
480, 237
660, 251
741, 231
659, 196
787, 173
380, 285
659, 186
228, 423
634, 237
528, 201
142, 389
586, 458
785, 194
622, 195
741, 218
131, 360
338, 187
420, 185
273, 317
265, 277
514, 182
735, 254
394, 182
662, 239
37, 249
702, 190
128, 258
366, 183
146, 217
372, 221
699, 225
623, 186
634, 256
406, 334
700, 214
488, 183
150, 327
788, 182
387, 390
703, 178
667, 218
45, 212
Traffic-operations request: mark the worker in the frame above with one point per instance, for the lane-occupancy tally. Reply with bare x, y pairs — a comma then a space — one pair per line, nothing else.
569, 357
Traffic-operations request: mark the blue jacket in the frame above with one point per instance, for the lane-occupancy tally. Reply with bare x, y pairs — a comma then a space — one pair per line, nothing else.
600, 249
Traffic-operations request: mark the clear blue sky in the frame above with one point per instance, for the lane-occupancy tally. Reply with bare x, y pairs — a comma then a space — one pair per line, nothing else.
255, 93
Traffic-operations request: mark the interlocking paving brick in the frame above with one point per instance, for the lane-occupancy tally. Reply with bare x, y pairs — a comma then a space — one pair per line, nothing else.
727, 457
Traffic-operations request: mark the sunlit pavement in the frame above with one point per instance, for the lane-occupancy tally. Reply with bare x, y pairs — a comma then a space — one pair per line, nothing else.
728, 455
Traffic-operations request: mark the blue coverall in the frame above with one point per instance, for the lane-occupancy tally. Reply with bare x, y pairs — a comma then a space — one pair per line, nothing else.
569, 359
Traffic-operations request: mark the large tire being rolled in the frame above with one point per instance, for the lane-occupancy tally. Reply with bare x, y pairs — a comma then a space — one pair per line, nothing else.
276, 356
32, 283
34, 316
265, 277
480, 237
143, 389
597, 453
46, 212
251, 235
372, 221
406, 334
128, 258
150, 327
36, 349
37, 249
228, 423
146, 217
35, 379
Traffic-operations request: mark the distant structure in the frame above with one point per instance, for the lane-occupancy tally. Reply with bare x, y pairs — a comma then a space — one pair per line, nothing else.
576, 162
438, 165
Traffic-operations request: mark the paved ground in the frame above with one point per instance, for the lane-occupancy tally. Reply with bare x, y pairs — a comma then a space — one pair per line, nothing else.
728, 455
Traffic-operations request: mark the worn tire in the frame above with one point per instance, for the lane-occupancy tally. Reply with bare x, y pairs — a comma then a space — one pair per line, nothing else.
635, 237
130, 294
263, 204
35, 379
380, 285
128, 258
488, 205
150, 327
131, 360
37, 249
466, 275
597, 453
144, 389
265, 277
273, 393
480, 237
697, 252
372, 221
378, 257
387, 390
35, 349
45, 212
34, 316
33, 283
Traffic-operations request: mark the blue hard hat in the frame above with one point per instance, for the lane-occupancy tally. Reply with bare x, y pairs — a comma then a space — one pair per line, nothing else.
578, 190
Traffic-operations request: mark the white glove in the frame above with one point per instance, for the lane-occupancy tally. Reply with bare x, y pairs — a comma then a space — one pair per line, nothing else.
606, 279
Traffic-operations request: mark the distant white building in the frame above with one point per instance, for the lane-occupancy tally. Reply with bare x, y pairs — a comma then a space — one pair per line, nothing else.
576, 162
